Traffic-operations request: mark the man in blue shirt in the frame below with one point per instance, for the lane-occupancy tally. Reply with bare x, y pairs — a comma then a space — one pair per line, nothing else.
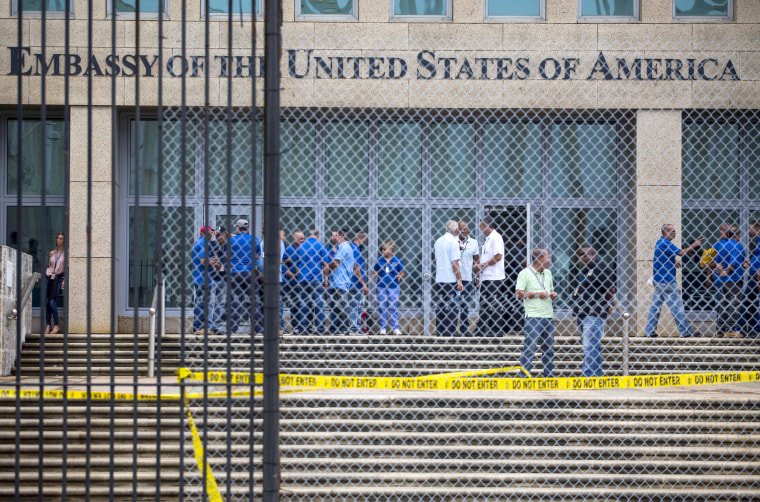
728, 270
201, 280
358, 289
666, 288
338, 282
311, 256
291, 291
752, 291
243, 257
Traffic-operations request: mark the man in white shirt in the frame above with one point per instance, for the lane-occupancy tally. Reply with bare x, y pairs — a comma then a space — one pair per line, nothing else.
492, 281
469, 251
448, 281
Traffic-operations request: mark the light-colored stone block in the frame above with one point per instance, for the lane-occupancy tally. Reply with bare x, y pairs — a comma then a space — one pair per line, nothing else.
101, 217
732, 95
9, 90
726, 37
297, 92
9, 28
545, 37
378, 36
658, 147
81, 6
374, 11
663, 37
644, 94
655, 206
455, 36
99, 295
241, 91
455, 94
747, 64
561, 11
468, 11
548, 94
242, 35
747, 11
295, 36
55, 35
360, 93
101, 144
656, 11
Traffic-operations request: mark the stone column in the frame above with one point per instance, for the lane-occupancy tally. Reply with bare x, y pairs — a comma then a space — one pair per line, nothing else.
658, 201
100, 252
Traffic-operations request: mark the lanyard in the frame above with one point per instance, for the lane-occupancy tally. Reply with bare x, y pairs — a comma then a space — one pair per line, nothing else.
541, 280
57, 255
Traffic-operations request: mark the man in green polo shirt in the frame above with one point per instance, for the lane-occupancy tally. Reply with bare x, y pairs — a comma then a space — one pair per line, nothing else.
535, 287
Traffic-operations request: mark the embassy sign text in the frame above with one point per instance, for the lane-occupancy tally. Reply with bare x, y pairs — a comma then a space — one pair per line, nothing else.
427, 65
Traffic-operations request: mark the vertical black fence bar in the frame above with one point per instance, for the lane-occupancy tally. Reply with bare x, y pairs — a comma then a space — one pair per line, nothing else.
19, 171
138, 239
67, 211
182, 260
272, 41
114, 275
160, 245
43, 311
252, 348
228, 183
88, 233
206, 178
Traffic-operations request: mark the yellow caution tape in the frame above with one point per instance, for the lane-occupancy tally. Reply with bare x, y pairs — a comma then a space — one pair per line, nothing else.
212, 489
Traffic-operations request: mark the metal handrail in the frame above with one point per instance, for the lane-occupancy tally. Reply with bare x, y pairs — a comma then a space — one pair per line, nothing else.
158, 296
25, 295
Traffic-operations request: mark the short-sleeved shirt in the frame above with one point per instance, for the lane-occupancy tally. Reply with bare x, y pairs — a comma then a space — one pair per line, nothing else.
310, 256
216, 250
388, 271
664, 264
359, 260
729, 252
241, 248
589, 298
493, 245
446, 251
467, 250
340, 278
198, 252
754, 262
290, 254
531, 281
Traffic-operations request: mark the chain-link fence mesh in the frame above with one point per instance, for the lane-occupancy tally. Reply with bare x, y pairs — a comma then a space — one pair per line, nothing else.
495, 216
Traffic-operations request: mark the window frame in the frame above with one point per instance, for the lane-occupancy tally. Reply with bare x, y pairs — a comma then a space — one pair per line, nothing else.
110, 11
258, 16
38, 13
728, 18
612, 19
425, 18
327, 17
514, 19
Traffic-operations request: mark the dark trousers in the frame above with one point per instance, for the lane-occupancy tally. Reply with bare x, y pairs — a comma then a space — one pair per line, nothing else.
242, 298
465, 298
749, 323
446, 308
291, 295
312, 306
492, 307
340, 310
728, 311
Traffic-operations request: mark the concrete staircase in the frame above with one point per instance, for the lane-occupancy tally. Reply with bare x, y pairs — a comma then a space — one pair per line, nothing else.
384, 446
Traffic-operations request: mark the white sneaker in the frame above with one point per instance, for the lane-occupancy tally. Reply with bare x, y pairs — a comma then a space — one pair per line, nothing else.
382, 331
396, 331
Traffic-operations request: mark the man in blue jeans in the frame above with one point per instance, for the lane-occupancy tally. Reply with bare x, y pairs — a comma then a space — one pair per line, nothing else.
591, 305
666, 288
535, 287
338, 281
358, 289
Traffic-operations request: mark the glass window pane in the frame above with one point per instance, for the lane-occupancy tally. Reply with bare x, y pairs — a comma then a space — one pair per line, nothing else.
583, 160
710, 161
144, 147
327, 7
702, 8
753, 158
238, 6
453, 160
142, 255
573, 229
348, 218
35, 240
400, 159
240, 159
607, 7
347, 149
697, 294
55, 164
130, 6
528, 8
419, 8
403, 226
298, 165
50, 5
512, 160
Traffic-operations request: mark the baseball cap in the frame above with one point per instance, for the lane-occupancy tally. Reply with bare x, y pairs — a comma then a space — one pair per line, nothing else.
206, 228
241, 223
222, 230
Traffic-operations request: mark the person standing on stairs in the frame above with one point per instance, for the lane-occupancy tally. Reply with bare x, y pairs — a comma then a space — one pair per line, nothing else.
55, 283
